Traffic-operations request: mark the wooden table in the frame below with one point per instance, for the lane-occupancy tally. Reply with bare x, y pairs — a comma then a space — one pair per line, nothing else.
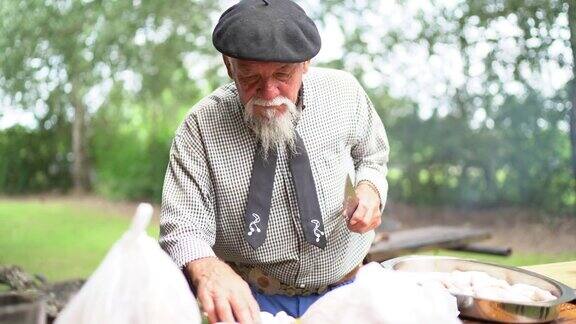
565, 272
425, 238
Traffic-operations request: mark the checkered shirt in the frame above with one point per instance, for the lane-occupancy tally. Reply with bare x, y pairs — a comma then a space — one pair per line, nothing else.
208, 177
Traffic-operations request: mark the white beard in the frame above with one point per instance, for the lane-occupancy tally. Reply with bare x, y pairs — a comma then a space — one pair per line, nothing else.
272, 131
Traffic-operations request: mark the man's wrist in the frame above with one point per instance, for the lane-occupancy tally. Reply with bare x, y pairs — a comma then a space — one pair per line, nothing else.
195, 268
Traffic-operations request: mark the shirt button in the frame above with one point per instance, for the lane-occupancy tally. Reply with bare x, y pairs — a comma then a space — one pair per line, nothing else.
302, 285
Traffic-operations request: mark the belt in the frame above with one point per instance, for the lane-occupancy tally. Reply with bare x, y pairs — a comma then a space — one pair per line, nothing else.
272, 286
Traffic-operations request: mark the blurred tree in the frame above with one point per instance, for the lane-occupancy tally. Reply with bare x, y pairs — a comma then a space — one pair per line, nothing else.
119, 77
502, 127
33, 160
543, 24
518, 42
572, 25
64, 57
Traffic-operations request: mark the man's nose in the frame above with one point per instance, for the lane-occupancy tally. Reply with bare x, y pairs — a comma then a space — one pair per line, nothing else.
268, 90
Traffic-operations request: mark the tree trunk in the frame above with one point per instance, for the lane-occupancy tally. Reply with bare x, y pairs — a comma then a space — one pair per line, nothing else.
80, 177
572, 26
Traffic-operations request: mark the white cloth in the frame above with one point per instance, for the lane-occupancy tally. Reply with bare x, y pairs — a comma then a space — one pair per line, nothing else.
280, 318
383, 296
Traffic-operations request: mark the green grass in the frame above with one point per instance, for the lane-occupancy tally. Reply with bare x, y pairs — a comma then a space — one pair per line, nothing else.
56, 239
64, 240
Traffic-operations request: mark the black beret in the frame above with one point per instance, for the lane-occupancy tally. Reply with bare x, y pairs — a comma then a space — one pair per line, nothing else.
267, 30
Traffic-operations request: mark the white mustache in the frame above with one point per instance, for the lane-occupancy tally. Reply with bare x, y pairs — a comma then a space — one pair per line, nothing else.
280, 100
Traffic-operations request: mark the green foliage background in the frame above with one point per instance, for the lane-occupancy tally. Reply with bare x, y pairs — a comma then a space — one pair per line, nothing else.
443, 161
53, 53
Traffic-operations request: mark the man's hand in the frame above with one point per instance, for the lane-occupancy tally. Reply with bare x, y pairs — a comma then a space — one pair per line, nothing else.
367, 215
224, 296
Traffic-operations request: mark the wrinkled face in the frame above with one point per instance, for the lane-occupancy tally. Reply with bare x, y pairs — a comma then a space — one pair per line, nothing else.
266, 81
268, 92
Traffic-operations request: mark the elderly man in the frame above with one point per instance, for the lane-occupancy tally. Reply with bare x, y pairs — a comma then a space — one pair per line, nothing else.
253, 198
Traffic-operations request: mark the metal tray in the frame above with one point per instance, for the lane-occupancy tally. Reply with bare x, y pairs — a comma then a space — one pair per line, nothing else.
492, 310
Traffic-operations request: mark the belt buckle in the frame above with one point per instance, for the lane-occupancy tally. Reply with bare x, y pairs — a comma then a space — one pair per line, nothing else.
272, 286
264, 283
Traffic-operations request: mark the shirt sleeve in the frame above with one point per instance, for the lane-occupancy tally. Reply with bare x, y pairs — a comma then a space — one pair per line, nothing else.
370, 150
187, 218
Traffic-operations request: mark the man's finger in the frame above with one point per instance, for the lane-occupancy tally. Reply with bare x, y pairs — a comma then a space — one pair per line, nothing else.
377, 217
360, 228
376, 222
208, 306
224, 310
254, 308
241, 310
370, 220
359, 215
373, 220
250, 302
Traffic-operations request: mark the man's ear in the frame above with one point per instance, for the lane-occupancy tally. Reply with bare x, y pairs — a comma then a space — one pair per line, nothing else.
228, 64
305, 66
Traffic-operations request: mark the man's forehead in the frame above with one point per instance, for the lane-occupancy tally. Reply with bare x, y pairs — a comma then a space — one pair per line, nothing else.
246, 65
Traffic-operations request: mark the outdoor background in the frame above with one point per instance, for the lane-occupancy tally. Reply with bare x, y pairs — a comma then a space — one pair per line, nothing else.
478, 99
